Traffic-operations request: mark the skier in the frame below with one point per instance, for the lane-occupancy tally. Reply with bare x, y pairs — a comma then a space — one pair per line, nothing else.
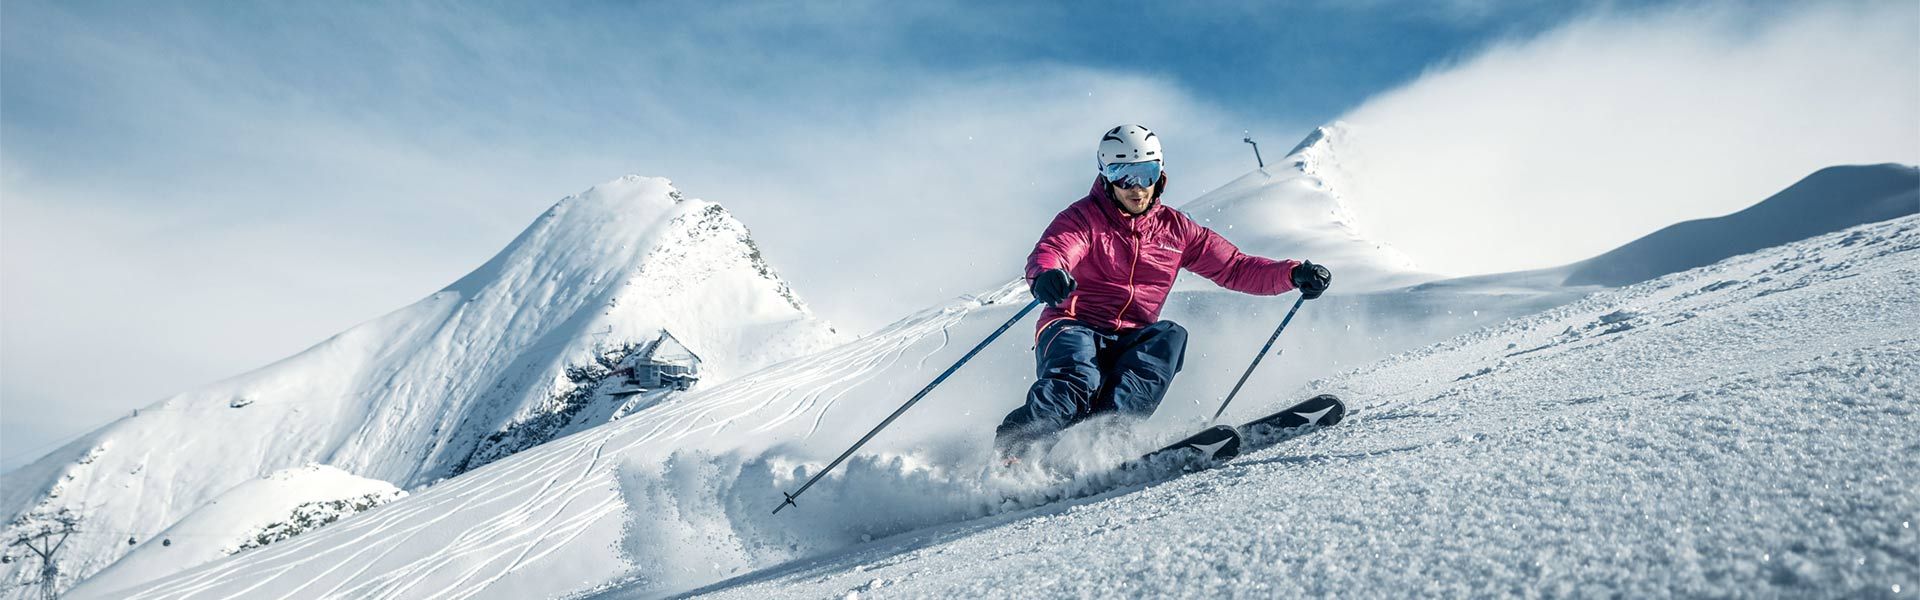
1104, 268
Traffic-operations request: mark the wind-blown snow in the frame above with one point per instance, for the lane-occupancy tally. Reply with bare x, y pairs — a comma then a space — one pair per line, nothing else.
418, 394
1293, 209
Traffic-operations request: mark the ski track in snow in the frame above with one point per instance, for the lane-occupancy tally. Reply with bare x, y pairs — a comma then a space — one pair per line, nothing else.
508, 537
385, 534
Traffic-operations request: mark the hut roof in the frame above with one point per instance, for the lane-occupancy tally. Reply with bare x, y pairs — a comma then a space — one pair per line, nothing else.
668, 350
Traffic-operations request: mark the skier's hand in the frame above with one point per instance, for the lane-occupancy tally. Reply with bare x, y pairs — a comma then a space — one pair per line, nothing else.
1053, 286
1311, 279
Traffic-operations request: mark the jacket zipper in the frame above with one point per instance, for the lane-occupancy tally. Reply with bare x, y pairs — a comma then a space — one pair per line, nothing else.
1117, 317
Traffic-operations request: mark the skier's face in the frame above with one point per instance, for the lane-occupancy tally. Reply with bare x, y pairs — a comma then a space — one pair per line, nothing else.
1135, 200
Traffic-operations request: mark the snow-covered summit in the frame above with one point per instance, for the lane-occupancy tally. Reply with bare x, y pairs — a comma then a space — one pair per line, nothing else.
508, 357
1294, 209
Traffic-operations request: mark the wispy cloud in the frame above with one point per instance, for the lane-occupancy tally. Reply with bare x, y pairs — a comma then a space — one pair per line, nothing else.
1550, 149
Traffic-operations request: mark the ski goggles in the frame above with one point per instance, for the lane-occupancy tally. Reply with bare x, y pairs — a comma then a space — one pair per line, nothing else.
1133, 174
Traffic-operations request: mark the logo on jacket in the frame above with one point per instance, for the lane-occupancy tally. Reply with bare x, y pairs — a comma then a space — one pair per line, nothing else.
1166, 247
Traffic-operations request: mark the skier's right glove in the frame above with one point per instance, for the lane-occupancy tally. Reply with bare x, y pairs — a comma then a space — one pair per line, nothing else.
1311, 279
1052, 286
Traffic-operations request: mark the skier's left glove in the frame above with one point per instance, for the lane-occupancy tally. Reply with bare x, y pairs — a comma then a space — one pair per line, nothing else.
1052, 286
1311, 279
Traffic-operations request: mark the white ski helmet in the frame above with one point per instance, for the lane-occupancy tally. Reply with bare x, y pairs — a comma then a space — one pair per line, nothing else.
1129, 143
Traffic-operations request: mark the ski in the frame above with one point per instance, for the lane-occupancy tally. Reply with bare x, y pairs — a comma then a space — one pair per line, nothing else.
1308, 416
1216, 445
1211, 446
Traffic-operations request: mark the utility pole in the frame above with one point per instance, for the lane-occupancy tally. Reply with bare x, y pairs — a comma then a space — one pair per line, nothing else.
50, 570
1256, 150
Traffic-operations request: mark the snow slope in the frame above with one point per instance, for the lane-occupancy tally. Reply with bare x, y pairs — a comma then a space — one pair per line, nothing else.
435, 388
230, 521
552, 518
1745, 429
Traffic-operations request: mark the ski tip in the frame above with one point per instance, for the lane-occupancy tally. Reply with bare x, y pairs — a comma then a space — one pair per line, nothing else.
1324, 410
1339, 410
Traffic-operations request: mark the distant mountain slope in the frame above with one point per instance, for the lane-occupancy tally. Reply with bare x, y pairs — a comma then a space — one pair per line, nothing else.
506, 358
1829, 200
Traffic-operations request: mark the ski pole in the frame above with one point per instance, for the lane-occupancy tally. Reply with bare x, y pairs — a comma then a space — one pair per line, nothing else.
1257, 357
903, 408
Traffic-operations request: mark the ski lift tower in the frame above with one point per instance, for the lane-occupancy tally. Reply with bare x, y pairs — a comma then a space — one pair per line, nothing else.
50, 570
1256, 149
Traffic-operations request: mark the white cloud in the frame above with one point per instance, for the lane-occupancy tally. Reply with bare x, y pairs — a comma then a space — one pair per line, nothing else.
1552, 149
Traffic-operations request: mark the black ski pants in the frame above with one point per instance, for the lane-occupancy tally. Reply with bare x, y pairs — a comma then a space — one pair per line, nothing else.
1085, 372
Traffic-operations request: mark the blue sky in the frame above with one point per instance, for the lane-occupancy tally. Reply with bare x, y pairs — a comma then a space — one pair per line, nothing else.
191, 190
386, 64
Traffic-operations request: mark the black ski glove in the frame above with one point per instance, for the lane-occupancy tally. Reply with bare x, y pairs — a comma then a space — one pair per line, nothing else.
1053, 286
1311, 279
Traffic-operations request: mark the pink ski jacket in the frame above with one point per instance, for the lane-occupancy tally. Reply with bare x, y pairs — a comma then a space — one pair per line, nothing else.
1124, 265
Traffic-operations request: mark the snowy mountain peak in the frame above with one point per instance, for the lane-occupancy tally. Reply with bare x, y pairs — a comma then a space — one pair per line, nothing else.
529, 347
1314, 139
1294, 209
